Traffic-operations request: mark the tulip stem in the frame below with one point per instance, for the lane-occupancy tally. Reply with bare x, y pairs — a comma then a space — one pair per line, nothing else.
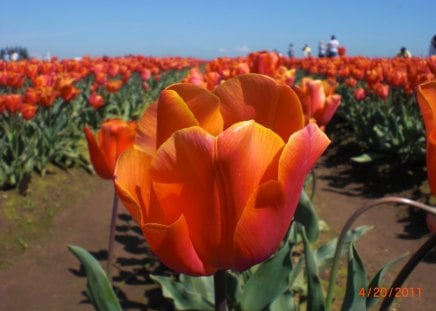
112, 237
408, 269
347, 226
219, 281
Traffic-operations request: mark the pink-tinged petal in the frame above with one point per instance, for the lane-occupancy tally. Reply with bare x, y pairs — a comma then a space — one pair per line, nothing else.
299, 156
133, 183
146, 131
427, 102
254, 96
172, 114
203, 104
331, 105
261, 227
172, 244
431, 160
98, 158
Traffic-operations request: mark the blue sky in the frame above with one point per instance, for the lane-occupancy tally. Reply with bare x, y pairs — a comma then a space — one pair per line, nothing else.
208, 29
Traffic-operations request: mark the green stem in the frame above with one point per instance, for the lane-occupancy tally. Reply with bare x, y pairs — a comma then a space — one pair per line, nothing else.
408, 269
346, 228
219, 281
112, 237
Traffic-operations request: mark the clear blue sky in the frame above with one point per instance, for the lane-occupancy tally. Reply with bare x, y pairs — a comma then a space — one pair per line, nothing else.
209, 29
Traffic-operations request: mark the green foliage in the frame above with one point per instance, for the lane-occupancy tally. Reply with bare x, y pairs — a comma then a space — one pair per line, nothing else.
99, 289
391, 128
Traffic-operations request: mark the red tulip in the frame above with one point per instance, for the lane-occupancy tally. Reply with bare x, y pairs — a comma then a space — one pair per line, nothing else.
359, 94
114, 137
113, 86
13, 102
96, 101
28, 111
214, 177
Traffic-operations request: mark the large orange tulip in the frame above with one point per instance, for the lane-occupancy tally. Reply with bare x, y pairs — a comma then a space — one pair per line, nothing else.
427, 102
114, 137
214, 177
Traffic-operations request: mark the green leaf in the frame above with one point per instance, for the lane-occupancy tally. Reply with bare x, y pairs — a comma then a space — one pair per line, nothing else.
325, 253
315, 297
269, 281
376, 281
183, 296
356, 280
202, 285
284, 302
306, 215
99, 288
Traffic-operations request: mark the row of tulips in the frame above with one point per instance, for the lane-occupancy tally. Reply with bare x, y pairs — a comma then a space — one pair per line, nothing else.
44, 106
213, 179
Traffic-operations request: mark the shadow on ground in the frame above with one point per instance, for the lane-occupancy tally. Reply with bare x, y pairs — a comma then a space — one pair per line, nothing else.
133, 263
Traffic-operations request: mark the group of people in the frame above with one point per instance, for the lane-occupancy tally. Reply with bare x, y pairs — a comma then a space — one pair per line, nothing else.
331, 49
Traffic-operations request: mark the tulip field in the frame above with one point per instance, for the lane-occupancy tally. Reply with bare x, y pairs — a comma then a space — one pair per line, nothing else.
216, 165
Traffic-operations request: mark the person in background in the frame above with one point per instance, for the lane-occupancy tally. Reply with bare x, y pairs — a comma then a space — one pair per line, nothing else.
307, 51
432, 50
322, 49
404, 53
291, 51
332, 47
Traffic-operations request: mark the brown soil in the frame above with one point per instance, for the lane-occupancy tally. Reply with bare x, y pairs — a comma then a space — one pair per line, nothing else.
47, 277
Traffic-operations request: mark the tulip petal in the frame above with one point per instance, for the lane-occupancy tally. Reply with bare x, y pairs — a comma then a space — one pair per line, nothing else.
98, 158
133, 183
299, 156
427, 102
172, 114
431, 160
204, 105
173, 246
324, 116
253, 96
261, 227
146, 131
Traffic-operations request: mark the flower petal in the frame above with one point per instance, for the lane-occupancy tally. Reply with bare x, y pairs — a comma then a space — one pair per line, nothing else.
203, 104
253, 96
172, 114
132, 184
146, 131
427, 102
98, 158
261, 227
299, 155
431, 160
173, 246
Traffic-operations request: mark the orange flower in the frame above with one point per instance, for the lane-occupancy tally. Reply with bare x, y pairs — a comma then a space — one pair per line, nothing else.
114, 137
426, 94
96, 101
318, 100
113, 86
28, 111
214, 177
13, 102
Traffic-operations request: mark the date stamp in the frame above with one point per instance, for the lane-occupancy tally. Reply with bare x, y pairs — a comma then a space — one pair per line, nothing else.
397, 292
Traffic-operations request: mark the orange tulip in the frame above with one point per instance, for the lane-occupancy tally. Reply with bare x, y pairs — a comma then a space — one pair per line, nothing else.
114, 137
214, 177
318, 100
96, 101
427, 103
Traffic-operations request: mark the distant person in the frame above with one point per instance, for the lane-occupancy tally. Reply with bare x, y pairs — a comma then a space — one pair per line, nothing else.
404, 53
307, 51
432, 50
291, 50
332, 47
322, 49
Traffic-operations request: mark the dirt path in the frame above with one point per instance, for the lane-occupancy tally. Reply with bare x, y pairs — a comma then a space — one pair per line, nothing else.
47, 276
